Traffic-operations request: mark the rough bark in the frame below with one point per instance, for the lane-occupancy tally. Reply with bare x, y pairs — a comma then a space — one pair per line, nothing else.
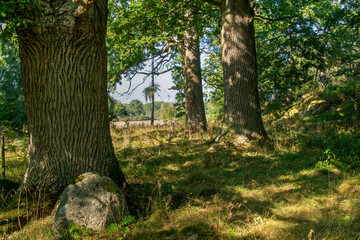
242, 107
64, 70
194, 102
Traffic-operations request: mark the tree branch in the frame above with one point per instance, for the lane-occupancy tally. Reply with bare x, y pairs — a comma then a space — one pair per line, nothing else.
84, 7
261, 18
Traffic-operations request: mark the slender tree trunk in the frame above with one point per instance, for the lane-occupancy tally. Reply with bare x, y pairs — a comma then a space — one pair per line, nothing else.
152, 109
64, 70
242, 107
3, 156
194, 100
153, 92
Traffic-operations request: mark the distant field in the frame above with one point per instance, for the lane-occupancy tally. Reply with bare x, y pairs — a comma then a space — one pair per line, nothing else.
121, 124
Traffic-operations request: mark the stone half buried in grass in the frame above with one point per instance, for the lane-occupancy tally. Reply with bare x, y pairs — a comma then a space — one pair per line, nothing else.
94, 202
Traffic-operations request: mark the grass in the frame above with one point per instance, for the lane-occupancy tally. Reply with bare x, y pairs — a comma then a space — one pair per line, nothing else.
16, 157
186, 189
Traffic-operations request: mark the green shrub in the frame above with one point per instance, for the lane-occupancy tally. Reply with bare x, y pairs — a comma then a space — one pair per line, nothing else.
344, 99
342, 151
341, 92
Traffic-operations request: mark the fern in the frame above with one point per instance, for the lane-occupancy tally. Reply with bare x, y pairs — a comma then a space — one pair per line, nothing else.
122, 225
127, 220
114, 227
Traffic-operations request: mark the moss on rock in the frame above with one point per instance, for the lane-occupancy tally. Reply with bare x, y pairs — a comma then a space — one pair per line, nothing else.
109, 186
78, 179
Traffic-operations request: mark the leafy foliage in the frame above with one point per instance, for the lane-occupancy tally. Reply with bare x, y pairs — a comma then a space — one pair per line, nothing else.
337, 93
303, 43
167, 112
120, 110
150, 91
12, 108
77, 232
131, 45
135, 108
213, 78
342, 151
179, 85
111, 106
15, 13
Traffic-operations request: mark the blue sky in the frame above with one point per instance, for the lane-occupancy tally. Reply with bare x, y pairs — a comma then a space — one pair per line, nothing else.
165, 82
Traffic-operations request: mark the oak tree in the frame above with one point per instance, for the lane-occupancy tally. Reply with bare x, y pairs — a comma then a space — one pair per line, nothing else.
241, 97
64, 70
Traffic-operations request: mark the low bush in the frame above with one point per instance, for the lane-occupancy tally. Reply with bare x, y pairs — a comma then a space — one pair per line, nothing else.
342, 151
341, 92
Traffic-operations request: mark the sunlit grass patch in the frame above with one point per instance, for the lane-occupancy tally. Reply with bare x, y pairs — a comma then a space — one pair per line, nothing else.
271, 229
16, 156
305, 210
328, 217
350, 188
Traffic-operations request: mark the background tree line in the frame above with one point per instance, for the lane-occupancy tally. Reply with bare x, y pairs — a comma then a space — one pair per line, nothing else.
137, 110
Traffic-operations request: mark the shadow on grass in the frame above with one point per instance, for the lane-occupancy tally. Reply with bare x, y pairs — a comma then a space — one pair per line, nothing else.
188, 173
329, 223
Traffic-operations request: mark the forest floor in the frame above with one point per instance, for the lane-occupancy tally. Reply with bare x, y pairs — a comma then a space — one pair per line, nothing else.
187, 189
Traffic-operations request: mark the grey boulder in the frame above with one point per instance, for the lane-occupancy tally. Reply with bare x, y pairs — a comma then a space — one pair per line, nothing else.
93, 201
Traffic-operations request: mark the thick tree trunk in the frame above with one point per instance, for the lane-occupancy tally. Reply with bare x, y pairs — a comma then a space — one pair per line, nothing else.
242, 107
194, 102
64, 69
